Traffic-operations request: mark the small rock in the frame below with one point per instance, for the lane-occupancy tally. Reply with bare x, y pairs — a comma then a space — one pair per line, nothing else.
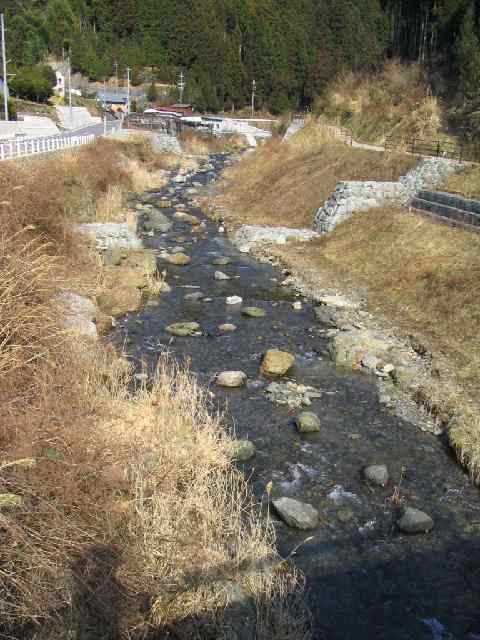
344, 515
186, 217
415, 521
178, 259
219, 275
338, 301
234, 300
326, 316
164, 204
194, 297
384, 399
242, 450
231, 379
254, 312
299, 515
297, 305
221, 262
370, 362
178, 249
227, 327
389, 368
183, 329
307, 422
277, 362
377, 473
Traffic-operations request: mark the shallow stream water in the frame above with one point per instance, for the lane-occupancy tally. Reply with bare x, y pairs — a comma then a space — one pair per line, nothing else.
365, 579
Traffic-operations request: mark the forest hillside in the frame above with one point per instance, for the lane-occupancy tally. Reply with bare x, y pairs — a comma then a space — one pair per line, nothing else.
292, 48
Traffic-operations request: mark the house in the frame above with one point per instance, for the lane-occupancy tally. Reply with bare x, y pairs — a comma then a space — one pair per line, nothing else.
114, 100
61, 87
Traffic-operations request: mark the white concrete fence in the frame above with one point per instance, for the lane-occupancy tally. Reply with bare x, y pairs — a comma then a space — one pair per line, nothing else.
35, 146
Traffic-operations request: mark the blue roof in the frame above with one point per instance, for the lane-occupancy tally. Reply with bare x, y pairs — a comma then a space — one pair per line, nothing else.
112, 96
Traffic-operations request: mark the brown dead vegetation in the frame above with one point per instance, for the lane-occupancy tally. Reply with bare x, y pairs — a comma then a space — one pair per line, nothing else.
424, 278
121, 514
283, 184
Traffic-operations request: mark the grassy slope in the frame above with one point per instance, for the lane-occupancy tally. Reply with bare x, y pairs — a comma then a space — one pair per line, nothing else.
423, 277
395, 101
108, 500
284, 184
466, 184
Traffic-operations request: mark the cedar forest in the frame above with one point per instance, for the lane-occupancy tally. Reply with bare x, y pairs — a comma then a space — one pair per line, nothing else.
292, 48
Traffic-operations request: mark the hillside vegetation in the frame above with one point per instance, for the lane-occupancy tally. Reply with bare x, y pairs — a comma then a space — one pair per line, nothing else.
284, 184
121, 512
393, 102
292, 49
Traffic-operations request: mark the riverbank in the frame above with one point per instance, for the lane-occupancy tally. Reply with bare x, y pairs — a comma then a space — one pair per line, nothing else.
122, 510
364, 500
417, 282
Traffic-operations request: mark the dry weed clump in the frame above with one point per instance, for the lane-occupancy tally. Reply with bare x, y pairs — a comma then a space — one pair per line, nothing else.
466, 183
199, 144
395, 101
283, 184
121, 514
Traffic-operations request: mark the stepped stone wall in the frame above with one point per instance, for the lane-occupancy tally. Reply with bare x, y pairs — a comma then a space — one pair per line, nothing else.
353, 196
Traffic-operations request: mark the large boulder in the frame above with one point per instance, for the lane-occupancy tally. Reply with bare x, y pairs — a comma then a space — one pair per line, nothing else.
250, 235
348, 348
157, 221
143, 261
299, 515
307, 422
183, 329
231, 379
178, 259
377, 474
242, 450
277, 363
414, 521
80, 314
120, 300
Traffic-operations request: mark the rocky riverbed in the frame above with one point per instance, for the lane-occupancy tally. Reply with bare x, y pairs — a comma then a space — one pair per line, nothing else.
374, 509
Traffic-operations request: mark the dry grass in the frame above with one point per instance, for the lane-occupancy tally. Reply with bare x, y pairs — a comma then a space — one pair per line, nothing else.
425, 276
425, 279
285, 184
198, 144
109, 206
466, 184
121, 515
395, 101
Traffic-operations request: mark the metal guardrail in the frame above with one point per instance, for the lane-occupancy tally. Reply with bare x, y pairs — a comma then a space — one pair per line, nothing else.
36, 146
435, 148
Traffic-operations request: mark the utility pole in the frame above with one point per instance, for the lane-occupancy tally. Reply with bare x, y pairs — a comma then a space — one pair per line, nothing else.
4, 61
254, 89
128, 90
70, 90
181, 86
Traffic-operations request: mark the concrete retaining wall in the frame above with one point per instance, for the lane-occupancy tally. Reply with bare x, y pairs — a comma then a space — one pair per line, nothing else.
350, 197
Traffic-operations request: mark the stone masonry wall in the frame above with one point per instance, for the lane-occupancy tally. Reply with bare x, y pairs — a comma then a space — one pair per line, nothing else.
350, 197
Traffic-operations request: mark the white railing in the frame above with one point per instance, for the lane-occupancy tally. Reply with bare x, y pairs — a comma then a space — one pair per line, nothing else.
35, 146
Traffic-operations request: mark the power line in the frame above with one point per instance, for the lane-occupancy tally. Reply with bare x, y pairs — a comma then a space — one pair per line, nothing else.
128, 89
181, 86
254, 90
